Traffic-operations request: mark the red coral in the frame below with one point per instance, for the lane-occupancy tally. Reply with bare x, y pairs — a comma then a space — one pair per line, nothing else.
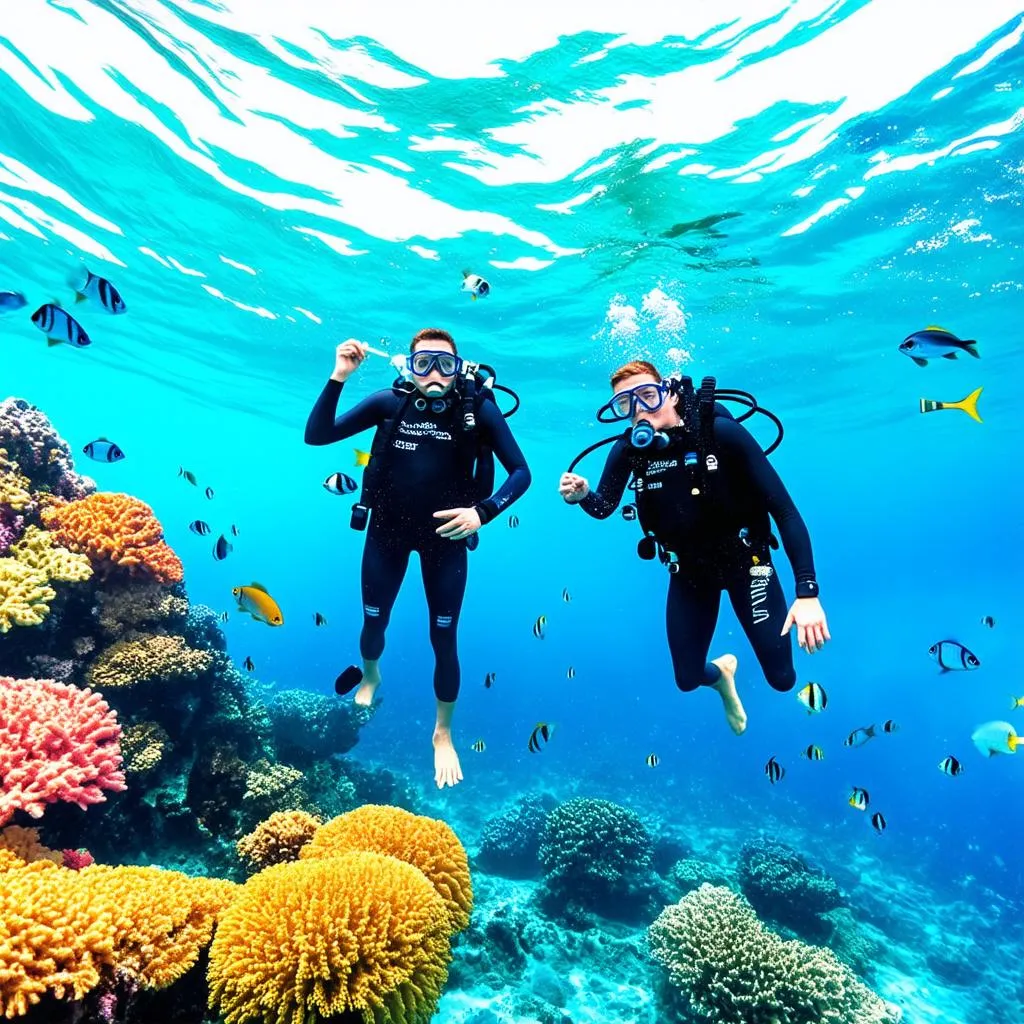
77, 859
115, 530
57, 742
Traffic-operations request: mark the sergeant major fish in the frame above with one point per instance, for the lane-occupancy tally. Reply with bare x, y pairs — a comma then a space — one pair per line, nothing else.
102, 291
60, 327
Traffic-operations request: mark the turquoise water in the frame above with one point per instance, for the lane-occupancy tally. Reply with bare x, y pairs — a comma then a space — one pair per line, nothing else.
774, 193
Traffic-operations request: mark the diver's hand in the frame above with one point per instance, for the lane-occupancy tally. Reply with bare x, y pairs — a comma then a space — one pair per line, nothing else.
347, 358
462, 522
573, 488
811, 627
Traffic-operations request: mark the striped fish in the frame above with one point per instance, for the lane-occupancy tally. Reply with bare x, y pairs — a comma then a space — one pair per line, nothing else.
60, 327
103, 292
103, 450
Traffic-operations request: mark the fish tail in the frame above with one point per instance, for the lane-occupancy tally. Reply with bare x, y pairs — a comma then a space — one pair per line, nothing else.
930, 405
969, 405
54, 341
971, 348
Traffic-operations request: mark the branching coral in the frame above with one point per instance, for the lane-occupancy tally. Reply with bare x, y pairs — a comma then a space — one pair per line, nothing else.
25, 595
36, 550
57, 742
360, 934
427, 843
139, 661
727, 968
278, 839
115, 531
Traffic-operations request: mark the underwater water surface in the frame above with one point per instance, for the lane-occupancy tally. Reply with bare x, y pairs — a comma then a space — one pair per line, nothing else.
773, 192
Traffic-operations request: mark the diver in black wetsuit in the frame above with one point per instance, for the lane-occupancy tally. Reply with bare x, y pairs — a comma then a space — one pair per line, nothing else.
707, 512
426, 465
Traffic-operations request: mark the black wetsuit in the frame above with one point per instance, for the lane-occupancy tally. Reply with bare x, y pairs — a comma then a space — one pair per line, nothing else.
703, 531
425, 472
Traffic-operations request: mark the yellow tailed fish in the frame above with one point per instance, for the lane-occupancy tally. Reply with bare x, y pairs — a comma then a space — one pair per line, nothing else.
968, 405
255, 600
362, 458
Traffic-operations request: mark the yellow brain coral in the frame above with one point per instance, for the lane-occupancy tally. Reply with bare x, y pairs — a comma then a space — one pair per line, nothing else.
36, 550
360, 933
129, 662
24, 595
53, 937
278, 839
426, 843
162, 920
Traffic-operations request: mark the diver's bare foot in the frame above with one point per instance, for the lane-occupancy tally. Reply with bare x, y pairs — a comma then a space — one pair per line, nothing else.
367, 688
447, 770
726, 687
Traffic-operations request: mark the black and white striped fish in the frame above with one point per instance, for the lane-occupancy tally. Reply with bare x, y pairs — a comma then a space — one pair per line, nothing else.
774, 771
102, 291
953, 656
200, 527
102, 450
60, 327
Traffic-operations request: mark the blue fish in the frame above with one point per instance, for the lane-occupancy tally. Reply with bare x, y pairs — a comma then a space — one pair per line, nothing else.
60, 327
953, 656
936, 343
102, 450
103, 292
10, 301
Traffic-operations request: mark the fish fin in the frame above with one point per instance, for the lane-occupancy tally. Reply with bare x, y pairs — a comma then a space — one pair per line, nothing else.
949, 355
920, 362
970, 405
54, 341
80, 297
259, 586
936, 327
971, 348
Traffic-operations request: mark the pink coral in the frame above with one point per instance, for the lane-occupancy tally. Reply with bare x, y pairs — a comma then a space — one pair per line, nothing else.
57, 742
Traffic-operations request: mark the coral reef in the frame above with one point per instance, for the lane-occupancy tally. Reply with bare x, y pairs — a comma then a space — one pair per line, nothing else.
309, 726
689, 874
278, 839
148, 659
510, 841
723, 966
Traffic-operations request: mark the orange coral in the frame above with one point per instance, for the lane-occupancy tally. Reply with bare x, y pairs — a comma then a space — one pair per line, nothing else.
278, 839
426, 843
115, 530
20, 846
360, 935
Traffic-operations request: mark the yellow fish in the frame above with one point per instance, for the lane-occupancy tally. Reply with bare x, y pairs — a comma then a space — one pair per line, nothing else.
362, 458
968, 405
1016, 702
255, 600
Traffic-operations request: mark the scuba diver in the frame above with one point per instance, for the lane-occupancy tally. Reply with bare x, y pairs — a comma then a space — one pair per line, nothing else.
427, 487
704, 492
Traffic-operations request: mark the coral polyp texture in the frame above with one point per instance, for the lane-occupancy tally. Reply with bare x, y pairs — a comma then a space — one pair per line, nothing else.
57, 743
148, 659
278, 839
724, 967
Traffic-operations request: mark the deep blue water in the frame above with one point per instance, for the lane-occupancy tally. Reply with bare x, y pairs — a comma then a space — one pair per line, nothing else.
775, 193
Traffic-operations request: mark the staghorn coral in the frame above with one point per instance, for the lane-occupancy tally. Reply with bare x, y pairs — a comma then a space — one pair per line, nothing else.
115, 531
162, 920
145, 659
277, 839
143, 746
360, 935
128, 606
36, 550
25, 595
726, 967
30, 440
54, 938
24, 847
426, 843
57, 742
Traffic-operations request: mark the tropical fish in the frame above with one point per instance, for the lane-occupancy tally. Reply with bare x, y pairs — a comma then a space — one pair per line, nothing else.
859, 737
1016, 702
652, 760
513, 521
987, 620
774, 770
255, 600
859, 799
539, 626
479, 746
223, 616
889, 726
209, 493
566, 596
189, 476
341, 483
878, 822
570, 673
936, 343
11, 301
102, 291
951, 766
475, 285
60, 327
953, 656
200, 527
489, 680
222, 548
362, 458
813, 753
248, 665
542, 731
813, 697
319, 620
996, 738
102, 450
234, 530
968, 405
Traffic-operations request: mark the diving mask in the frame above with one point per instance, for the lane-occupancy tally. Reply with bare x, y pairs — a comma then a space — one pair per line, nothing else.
423, 362
626, 404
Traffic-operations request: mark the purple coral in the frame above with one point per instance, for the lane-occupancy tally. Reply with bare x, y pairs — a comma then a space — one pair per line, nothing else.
10, 528
40, 452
